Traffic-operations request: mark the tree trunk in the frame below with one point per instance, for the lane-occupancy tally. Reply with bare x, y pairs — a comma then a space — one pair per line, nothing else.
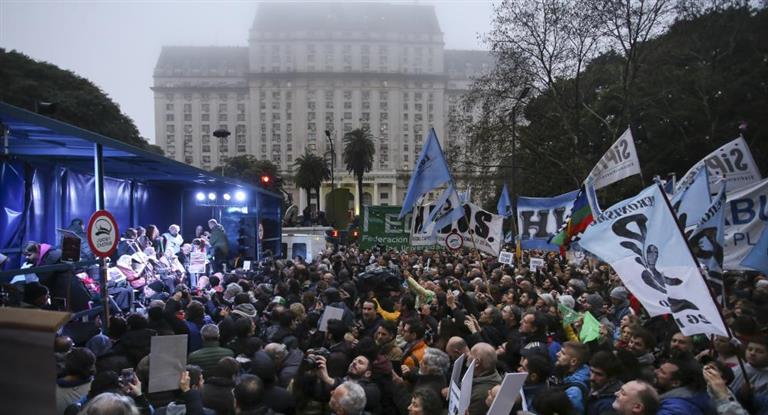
317, 190
360, 193
309, 202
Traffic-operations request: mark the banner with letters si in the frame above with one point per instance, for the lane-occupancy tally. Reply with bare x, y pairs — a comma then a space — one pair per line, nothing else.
485, 227
619, 162
734, 161
539, 218
746, 215
640, 239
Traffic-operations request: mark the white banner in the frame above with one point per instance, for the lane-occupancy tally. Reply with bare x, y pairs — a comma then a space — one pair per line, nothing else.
734, 160
746, 215
483, 226
197, 262
640, 239
618, 162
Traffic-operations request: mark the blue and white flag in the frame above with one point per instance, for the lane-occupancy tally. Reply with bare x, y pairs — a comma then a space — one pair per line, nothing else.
691, 200
431, 171
589, 187
640, 239
746, 215
757, 258
708, 239
504, 206
466, 196
448, 209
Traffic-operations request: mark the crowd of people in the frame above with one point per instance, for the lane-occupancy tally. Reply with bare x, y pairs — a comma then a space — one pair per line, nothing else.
255, 344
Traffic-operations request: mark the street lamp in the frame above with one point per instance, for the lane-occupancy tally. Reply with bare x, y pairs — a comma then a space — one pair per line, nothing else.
333, 157
221, 134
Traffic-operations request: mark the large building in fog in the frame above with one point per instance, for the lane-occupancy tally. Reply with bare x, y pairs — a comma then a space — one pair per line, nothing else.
312, 67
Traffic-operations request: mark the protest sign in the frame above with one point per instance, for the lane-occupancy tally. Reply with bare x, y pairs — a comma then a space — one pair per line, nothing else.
167, 360
197, 262
536, 264
330, 313
511, 386
506, 257
539, 218
381, 226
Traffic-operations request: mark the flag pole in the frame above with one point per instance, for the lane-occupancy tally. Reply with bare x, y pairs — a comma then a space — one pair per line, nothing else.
717, 306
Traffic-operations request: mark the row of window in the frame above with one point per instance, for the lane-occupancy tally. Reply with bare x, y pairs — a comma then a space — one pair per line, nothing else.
205, 96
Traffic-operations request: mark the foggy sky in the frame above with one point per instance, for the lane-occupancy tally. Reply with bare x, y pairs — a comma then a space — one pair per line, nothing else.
115, 44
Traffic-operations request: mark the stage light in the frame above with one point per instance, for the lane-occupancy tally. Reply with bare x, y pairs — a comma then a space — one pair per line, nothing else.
211, 196
227, 197
240, 195
200, 196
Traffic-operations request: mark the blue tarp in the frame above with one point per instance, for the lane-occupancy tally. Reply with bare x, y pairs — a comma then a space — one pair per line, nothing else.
46, 180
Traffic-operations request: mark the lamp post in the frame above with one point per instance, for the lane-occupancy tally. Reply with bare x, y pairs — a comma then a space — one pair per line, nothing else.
221, 134
333, 157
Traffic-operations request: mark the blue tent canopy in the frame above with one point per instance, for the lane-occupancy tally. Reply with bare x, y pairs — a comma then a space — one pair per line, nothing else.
46, 180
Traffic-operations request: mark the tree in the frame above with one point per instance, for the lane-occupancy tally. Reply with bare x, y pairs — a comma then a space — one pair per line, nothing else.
78, 101
311, 171
358, 157
249, 169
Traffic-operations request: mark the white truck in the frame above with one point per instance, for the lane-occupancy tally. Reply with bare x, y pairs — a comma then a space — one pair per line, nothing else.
305, 242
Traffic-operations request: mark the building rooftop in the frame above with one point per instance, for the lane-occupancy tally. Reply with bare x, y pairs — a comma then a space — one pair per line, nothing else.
346, 17
202, 61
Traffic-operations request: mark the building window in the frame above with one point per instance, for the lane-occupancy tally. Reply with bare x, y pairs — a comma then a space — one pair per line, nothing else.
222, 108
187, 108
206, 148
169, 117
187, 117
241, 149
384, 195
206, 159
222, 117
169, 107
170, 128
205, 117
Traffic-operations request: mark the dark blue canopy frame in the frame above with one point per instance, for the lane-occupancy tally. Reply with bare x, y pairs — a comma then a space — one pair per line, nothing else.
47, 180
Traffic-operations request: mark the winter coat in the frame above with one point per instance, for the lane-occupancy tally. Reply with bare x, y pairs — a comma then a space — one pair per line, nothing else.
685, 401
576, 383
480, 387
601, 401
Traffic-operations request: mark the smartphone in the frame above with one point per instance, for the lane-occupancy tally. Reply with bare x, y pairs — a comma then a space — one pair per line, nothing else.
126, 376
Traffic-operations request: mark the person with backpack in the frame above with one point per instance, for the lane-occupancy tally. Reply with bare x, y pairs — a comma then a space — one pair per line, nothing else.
572, 363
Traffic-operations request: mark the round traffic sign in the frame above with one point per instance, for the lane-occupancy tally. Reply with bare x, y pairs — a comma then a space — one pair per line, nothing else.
454, 241
102, 234
261, 231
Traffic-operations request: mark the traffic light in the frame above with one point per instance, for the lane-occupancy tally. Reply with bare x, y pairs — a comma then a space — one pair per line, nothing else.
266, 180
334, 233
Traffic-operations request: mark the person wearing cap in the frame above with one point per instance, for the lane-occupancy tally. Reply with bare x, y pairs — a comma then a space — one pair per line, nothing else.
620, 308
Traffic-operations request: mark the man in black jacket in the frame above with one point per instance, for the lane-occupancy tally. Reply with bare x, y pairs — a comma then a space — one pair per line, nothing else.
219, 244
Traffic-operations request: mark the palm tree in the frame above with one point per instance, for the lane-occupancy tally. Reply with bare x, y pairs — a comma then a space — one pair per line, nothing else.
311, 171
358, 157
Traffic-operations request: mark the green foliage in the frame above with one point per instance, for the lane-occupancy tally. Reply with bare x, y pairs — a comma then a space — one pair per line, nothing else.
249, 169
311, 170
358, 157
78, 101
692, 86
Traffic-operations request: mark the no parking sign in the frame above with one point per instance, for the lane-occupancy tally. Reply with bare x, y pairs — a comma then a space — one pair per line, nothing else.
102, 234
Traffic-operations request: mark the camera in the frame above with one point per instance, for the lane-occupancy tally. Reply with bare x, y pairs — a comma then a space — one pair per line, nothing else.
310, 360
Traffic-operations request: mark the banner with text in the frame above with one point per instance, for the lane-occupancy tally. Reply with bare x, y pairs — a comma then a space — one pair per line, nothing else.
381, 226
478, 224
618, 162
734, 161
538, 218
746, 215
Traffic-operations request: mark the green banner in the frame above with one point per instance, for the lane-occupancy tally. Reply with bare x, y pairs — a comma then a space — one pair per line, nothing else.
382, 227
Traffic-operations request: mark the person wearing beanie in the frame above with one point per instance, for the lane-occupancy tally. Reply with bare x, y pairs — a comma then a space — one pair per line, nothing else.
232, 290
567, 301
620, 308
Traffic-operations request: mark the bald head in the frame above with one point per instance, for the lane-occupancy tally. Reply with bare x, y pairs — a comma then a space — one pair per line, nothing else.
485, 357
456, 347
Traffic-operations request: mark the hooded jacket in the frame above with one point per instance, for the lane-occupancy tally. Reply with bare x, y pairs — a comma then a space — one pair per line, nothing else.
577, 382
685, 401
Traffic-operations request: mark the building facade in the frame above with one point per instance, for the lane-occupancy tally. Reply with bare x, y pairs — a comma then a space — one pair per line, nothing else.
311, 70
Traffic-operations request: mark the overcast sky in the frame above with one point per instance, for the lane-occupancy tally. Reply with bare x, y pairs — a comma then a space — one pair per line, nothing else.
115, 44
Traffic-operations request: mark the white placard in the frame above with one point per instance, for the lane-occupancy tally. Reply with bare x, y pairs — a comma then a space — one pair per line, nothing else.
511, 387
536, 264
330, 313
506, 257
466, 388
197, 262
247, 265
454, 390
167, 360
